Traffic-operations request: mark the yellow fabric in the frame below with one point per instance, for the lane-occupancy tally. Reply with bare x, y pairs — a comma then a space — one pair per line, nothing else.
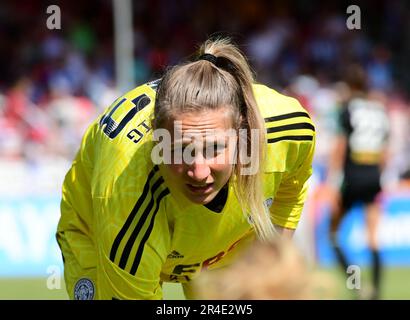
121, 227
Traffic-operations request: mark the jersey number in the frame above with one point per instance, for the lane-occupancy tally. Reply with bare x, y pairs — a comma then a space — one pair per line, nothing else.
112, 128
369, 129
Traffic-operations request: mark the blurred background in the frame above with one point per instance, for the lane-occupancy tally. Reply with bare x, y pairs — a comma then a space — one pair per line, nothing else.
54, 82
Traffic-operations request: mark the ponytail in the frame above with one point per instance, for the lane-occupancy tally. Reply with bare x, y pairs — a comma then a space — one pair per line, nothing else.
249, 187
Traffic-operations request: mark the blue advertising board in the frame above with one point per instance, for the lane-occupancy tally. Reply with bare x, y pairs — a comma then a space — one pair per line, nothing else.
27, 236
393, 234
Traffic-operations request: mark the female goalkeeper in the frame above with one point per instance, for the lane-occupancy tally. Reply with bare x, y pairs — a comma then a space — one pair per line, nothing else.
179, 174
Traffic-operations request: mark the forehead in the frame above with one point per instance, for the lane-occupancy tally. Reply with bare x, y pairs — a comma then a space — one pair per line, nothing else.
202, 122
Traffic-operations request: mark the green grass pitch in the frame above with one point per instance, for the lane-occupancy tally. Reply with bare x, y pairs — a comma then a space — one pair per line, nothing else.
395, 285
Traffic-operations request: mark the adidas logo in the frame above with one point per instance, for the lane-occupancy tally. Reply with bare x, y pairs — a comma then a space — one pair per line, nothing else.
175, 255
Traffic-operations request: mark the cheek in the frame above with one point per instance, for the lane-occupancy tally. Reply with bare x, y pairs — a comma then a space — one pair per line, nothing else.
175, 170
222, 171
224, 163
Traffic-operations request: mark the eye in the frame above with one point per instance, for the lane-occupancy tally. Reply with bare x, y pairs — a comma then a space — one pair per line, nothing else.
179, 148
189, 150
214, 150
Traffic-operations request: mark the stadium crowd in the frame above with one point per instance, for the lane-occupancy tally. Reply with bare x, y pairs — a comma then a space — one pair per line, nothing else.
54, 82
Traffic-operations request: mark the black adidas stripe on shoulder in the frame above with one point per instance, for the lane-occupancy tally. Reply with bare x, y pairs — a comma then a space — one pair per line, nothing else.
291, 138
287, 116
294, 126
141, 221
140, 250
152, 184
282, 132
131, 217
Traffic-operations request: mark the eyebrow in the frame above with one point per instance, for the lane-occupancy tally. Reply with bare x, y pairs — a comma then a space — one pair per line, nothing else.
207, 141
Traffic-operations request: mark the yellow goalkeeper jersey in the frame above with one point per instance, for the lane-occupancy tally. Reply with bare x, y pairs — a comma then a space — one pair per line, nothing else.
122, 233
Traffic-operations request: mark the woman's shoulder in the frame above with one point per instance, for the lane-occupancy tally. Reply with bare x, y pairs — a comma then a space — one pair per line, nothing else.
273, 103
126, 123
289, 129
122, 136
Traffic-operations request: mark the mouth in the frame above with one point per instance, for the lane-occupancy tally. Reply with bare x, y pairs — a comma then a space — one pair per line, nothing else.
200, 189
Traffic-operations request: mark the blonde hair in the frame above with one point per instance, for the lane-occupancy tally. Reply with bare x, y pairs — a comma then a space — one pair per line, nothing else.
266, 271
202, 85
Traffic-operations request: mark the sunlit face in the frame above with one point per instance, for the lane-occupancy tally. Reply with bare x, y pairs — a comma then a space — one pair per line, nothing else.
207, 151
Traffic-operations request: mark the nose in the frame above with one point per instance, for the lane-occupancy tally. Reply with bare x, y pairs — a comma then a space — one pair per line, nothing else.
199, 171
